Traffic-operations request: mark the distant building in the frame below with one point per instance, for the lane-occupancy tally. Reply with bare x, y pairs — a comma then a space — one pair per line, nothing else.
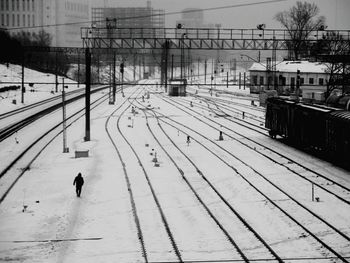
29, 15
193, 19
129, 17
313, 78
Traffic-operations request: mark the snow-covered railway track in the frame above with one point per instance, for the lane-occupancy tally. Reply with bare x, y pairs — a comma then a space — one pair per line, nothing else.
251, 246
232, 115
301, 214
324, 182
16, 120
23, 161
147, 223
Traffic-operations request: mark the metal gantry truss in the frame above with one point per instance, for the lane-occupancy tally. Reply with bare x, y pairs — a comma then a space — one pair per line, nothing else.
195, 38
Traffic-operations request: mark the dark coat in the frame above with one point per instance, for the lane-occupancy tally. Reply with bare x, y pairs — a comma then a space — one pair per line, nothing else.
78, 181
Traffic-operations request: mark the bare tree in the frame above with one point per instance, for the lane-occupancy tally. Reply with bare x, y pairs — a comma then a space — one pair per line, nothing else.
334, 49
300, 21
42, 38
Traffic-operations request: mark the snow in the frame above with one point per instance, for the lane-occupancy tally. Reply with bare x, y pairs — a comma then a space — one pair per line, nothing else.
56, 226
293, 66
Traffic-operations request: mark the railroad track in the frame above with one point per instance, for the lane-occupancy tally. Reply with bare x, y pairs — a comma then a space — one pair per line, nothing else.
233, 115
14, 171
15, 127
319, 180
307, 213
131, 191
255, 239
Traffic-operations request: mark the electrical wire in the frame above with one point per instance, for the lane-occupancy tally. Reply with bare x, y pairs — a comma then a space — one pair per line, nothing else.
145, 16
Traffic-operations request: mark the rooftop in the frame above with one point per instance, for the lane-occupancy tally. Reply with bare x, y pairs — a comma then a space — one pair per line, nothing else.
293, 66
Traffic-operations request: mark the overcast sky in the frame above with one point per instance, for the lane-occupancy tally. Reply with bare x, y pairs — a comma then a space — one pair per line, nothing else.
337, 12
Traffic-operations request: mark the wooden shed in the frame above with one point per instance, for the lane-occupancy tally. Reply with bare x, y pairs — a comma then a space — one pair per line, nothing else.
177, 87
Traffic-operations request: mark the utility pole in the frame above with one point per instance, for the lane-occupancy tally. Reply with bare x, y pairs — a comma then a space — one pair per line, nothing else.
87, 92
298, 85
205, 72
166, 64
114, 84
64, 131
56, 73
198, 69
22, 89
244, 79
78, 68
110, 83
134, 67
239, 80
172, 66
122, 78
227, 79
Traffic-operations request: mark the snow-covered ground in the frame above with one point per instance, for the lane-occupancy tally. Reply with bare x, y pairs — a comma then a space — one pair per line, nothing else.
56, 226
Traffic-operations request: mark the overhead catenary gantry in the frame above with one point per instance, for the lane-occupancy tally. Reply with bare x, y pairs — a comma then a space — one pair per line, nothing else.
150, 39
196, 38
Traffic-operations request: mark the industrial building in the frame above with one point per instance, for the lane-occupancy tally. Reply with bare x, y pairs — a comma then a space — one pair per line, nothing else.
313, 78
61, 19
129, 17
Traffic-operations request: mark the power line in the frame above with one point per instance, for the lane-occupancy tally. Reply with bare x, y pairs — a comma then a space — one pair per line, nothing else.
152, 15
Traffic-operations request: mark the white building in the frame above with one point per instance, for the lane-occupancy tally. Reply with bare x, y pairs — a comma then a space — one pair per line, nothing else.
60, 18
313, 78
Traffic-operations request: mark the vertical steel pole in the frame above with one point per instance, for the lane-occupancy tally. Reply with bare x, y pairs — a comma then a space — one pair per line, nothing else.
64, 132
227, 79
78, 68
172, 66
181, 57
239, 80
205, 72
166, 64
22, 89
56, 73
114, 84
244, 79
87, 93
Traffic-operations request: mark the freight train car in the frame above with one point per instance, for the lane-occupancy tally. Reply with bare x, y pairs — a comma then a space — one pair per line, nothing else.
338, 136
279, 117
323, 130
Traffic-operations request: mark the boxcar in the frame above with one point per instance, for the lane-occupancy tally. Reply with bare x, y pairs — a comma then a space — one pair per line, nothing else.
279, 117
338, 136
309, 126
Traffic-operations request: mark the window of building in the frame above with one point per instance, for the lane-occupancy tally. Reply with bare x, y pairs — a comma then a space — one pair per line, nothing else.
7, 20
33, 5
18, 20
7, 4
320, 81
311, 81
33, 20
13, 5
13, 20
17, 2
2, 20
255, 80
292, 81
301, 81
24, 20
24, 5
1, 5
261, 80
28, 21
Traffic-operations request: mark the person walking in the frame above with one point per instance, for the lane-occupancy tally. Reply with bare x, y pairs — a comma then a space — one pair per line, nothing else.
78, 182
188, 140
